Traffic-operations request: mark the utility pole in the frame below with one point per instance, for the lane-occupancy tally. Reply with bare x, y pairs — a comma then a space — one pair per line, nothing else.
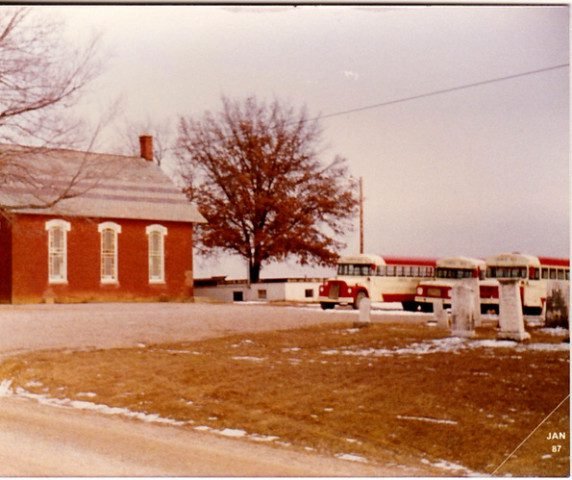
360, 214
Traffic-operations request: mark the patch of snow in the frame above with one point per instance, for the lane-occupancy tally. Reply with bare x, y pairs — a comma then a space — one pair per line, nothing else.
351, 457
558, 331
545, 457
97, 407
34, 383
6, 388
202, 428
87, 394
548, 347
250, 359
428, 419
262, 438
353, 440
328, 409
291, 349
231, 432
446, 345
141, 345
450, 466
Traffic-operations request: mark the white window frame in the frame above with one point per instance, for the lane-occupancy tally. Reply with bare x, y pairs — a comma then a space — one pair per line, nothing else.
51, 227
162, 231
116, 229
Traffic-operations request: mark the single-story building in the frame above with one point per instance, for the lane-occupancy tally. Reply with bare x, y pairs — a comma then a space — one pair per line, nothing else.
122, 230
220, 289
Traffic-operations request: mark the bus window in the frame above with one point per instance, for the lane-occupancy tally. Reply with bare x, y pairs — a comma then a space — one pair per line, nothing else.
534, 273
381, 270
481, 274
406, 271
545, 274
567, 274
552, 274
560, 274
390, 271
414, 271
399, 271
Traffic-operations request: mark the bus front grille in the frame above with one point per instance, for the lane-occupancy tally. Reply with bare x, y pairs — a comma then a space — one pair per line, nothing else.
334, 291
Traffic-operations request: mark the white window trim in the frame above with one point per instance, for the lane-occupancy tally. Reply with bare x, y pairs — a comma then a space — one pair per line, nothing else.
116, 228
66, 227
163, 231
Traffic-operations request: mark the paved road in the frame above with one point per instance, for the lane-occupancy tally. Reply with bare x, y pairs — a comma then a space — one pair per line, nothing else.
47, 441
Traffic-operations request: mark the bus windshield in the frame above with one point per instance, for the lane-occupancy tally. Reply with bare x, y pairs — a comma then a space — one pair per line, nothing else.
507, 272
441, 272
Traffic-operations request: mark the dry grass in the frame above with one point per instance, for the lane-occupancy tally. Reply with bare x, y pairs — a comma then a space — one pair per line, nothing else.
471, 407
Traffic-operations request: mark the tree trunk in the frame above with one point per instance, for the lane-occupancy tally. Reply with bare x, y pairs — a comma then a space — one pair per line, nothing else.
254, 272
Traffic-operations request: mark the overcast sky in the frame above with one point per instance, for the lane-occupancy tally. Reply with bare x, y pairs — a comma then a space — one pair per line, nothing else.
472, 172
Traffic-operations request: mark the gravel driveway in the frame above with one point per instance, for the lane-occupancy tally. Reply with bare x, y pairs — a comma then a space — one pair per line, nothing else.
105, 325
108, 325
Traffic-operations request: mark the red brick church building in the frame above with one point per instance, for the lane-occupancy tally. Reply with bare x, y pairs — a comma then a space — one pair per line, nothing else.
122, 232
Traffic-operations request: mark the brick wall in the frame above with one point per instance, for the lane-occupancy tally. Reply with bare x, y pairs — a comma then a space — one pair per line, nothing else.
30, 262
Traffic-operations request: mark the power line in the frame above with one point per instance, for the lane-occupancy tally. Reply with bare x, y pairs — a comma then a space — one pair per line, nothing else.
440, 92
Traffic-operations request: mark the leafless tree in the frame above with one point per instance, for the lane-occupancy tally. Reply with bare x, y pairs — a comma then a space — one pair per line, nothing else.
41, 77
254, 171
160, 131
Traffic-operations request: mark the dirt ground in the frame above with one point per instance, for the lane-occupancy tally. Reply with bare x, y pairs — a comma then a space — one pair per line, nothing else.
41, 440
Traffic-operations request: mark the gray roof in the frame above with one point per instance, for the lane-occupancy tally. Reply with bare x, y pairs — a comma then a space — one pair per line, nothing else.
101, 186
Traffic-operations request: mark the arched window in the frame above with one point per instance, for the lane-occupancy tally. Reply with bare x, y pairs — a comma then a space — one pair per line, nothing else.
109, 232
156, 235
57, 250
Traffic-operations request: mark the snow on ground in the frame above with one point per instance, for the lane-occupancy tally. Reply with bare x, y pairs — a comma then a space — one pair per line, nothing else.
351, 457
446, 345
558, 331
428, 419
249, 359
377, 308
451, 467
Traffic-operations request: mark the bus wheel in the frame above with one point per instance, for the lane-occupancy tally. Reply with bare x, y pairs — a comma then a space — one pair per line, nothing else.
327, 306
359, 297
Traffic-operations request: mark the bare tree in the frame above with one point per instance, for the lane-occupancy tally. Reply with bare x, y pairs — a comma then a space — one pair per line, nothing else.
41, 77
255, 173
160, 131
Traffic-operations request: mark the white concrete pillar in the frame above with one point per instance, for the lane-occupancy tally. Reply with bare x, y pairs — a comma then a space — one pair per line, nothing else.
473, 285
364, 313
511, 320
440, 315
462, 309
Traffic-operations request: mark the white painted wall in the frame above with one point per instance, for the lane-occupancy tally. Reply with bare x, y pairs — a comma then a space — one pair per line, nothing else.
283, 291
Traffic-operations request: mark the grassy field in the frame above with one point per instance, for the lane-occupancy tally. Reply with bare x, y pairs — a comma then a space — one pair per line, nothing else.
388, 394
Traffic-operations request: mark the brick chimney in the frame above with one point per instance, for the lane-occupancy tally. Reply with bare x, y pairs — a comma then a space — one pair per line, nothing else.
146, 143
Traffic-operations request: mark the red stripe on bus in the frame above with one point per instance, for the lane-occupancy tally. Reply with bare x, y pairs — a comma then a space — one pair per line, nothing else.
423, 262
554, 262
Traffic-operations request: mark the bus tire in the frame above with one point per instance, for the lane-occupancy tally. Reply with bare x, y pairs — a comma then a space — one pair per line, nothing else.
327, 306
359, 297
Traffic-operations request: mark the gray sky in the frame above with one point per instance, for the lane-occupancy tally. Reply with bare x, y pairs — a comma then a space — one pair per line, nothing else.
472, 172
